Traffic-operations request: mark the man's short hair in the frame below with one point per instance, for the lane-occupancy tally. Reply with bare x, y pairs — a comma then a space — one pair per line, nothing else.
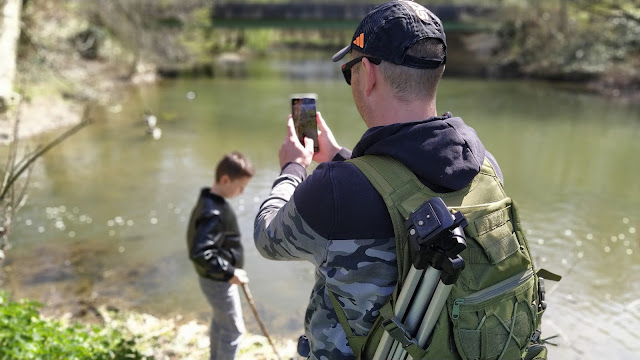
411, 83
235, 166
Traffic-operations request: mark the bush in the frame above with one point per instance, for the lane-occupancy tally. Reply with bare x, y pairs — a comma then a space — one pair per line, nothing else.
25, 335
579, 39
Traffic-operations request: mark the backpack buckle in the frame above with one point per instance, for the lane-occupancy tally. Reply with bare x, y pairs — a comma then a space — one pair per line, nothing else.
397, 331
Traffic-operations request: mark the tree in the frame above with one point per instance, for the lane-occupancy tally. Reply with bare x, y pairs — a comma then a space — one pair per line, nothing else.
10, 11
578, 39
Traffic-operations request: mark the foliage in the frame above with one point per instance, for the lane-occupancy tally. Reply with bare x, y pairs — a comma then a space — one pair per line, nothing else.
200, 38
25, 335
260, 39
569, 39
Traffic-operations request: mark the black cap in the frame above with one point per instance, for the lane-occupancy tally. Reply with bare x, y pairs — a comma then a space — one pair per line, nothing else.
390, 29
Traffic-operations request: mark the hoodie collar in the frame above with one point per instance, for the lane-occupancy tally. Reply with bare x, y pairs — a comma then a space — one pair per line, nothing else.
444, 152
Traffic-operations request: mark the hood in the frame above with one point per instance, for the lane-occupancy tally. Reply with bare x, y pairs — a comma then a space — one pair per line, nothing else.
444, 152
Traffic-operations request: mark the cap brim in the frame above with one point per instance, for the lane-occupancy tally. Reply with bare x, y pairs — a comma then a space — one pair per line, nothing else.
340, 54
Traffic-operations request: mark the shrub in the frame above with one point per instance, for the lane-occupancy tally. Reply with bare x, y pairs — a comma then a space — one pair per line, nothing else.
24, 334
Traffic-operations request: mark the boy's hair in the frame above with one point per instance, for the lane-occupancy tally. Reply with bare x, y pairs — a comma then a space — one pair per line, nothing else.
235, 166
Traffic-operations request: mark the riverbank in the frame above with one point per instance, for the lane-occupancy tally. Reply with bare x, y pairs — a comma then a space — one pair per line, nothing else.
117, 334
85, 289
175, 338
159, 337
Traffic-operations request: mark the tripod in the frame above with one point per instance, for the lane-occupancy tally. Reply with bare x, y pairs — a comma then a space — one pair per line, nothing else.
436, 240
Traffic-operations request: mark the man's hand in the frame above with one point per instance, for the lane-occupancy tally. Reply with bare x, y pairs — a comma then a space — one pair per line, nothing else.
293, 150
326, 142
239, 277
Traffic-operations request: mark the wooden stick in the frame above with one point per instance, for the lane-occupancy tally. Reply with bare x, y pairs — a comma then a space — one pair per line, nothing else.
247, 293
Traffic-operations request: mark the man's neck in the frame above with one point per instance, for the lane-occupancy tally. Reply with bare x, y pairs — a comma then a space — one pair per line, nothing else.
392, 112
381, 106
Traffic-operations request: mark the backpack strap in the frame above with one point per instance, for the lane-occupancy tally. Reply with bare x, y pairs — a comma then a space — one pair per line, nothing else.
355, 342
401, 191
396, 330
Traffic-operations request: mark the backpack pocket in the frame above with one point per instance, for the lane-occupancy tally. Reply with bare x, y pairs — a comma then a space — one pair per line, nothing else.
496, 322
496, 247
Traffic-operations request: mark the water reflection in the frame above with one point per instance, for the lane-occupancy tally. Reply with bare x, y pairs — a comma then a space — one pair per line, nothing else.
107, 215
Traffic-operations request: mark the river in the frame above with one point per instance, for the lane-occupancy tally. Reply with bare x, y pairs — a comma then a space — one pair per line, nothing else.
107, 211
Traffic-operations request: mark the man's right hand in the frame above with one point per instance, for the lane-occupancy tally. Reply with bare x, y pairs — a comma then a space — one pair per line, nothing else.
292, 150
239, 277
326, 142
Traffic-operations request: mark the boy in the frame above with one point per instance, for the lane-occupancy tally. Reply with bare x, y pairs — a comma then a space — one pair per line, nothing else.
214, 246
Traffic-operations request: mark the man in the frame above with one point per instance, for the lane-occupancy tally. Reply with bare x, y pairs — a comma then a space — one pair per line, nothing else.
335, 218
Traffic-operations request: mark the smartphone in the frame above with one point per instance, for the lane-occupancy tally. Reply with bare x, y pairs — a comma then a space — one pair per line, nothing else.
303, 111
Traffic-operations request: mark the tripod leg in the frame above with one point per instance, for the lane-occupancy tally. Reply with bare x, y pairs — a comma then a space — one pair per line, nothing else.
433, 312
404, 298
419, 305
394, 350
438, 302
421, 299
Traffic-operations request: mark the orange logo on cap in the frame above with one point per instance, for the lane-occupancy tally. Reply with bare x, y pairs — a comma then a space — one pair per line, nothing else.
359, 41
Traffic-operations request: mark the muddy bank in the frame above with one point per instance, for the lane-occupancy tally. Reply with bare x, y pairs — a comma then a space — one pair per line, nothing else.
178, 339
174, 338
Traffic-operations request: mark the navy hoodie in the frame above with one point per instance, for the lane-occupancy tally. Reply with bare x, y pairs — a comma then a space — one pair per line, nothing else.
443, 152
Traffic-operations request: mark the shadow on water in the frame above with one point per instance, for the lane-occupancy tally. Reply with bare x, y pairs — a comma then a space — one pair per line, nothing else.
108, 209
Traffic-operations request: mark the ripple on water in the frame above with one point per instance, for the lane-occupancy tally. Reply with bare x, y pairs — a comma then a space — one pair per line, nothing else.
596, 307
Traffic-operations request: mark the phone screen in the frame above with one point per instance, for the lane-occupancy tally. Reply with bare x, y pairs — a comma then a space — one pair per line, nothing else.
303, 111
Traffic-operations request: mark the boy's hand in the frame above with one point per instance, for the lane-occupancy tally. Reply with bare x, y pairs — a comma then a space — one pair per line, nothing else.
326, 142
239, 277
293, 150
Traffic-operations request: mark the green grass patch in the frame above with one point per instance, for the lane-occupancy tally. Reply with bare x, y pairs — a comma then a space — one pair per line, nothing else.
24, 334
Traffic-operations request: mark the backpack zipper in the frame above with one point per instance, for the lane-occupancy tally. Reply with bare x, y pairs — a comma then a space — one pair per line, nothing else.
491, 292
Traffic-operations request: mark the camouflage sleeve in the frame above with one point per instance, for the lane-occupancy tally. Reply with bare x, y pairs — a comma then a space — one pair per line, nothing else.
279, 231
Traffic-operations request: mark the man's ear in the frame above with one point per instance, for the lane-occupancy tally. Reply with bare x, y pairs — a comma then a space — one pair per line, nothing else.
370, 75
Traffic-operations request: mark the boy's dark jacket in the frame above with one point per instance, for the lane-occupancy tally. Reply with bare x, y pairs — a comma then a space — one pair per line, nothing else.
213, 237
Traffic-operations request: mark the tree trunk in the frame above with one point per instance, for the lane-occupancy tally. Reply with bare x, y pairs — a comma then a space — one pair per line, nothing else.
9, 34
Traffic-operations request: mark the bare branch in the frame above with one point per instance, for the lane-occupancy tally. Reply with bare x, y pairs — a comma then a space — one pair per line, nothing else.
11, 157
33, 157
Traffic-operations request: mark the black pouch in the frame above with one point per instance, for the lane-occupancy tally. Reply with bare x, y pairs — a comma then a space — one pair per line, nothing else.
303, 346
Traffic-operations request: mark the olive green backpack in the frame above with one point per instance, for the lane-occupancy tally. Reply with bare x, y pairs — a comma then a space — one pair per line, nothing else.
495, 307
